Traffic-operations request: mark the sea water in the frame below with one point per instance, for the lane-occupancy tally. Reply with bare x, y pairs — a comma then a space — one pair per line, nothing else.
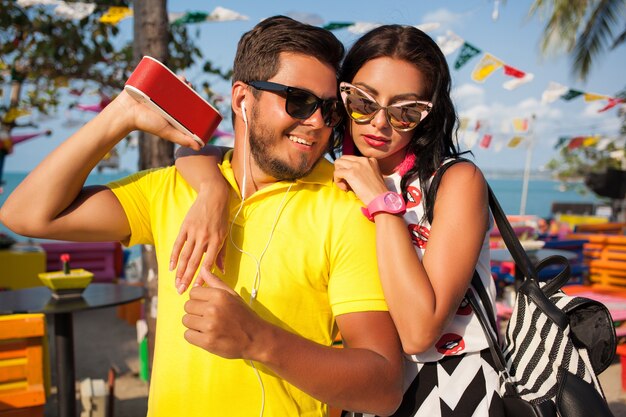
541, 193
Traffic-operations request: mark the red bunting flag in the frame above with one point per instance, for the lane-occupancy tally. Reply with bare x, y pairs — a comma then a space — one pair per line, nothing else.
612, 103
513, 72
575, 142
486, 141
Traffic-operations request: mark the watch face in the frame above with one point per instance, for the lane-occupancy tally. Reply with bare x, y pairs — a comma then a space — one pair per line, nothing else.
393, 201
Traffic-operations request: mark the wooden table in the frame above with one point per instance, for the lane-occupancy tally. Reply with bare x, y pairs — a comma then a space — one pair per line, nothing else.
40, 300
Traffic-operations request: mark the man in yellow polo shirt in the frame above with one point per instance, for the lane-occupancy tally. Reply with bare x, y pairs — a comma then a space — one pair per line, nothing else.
255, 340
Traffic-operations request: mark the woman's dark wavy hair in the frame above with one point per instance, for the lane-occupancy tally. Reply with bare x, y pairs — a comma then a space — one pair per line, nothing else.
434, 139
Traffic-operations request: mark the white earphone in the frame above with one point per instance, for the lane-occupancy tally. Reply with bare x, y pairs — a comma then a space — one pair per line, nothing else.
243, 110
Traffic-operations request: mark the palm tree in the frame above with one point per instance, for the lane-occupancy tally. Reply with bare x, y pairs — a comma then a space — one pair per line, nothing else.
586, 29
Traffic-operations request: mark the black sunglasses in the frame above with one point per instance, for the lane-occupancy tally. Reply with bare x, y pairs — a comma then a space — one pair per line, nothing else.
301, 104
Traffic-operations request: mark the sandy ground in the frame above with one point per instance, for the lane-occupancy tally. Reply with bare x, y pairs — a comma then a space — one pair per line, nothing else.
102, 340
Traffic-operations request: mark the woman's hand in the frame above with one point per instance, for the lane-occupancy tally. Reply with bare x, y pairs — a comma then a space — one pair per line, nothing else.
202, 233
361, 175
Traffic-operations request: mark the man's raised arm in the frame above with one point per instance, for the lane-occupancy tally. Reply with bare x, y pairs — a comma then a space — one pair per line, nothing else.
51, 201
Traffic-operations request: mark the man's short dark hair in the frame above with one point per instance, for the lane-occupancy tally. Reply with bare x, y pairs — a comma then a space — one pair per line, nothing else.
258, 51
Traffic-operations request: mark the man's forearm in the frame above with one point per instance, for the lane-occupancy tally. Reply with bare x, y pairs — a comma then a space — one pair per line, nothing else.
57, 181
357, 379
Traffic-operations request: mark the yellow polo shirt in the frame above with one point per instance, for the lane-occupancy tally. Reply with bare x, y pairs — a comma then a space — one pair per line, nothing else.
319, 262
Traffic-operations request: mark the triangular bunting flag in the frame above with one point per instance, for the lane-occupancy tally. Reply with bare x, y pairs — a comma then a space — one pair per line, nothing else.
513, 72
520, 125
485, 67
337, 25
594, 97
553, 92
467, 52
449, 43
516, 140
222, 14
603, 143
470, 138
191, 17
115, 14
612, 103
576, 142
486, 141
571, 94
428, 27
590, 141
516, 82
562, 140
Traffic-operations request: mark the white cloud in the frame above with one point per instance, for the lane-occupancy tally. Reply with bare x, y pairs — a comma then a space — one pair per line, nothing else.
446, 18
468, 95
591, 109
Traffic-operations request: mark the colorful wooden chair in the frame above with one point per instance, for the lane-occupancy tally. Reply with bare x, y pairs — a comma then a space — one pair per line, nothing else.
24, 365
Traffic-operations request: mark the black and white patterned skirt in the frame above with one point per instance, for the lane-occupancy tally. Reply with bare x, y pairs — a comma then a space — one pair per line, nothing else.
464, 385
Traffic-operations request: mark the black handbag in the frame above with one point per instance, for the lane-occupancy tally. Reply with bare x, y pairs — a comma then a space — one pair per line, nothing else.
554, 346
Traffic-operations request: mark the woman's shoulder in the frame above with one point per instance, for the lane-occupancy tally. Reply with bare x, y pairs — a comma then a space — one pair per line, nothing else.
461, 169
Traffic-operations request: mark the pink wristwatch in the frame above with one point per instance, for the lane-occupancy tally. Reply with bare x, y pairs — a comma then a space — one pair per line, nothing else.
388, 202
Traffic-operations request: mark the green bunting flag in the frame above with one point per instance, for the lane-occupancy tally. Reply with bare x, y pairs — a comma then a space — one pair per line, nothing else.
467, 52
191, 17
562, 140
337, 25
571, 94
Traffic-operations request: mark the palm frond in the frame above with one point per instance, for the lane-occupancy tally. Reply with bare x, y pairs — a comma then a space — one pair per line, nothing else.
597, 36
619, 40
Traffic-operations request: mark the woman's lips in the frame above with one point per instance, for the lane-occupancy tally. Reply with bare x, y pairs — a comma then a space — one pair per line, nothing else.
375, 141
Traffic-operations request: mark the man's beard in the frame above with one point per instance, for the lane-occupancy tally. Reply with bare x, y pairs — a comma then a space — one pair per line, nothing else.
262, 144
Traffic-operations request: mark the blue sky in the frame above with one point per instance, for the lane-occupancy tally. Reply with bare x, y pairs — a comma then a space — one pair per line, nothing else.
512, 37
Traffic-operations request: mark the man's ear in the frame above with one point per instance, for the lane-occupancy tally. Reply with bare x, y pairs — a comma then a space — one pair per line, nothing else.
239, 92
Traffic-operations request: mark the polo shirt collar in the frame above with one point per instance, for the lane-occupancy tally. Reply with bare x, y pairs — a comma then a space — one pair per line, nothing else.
322, 174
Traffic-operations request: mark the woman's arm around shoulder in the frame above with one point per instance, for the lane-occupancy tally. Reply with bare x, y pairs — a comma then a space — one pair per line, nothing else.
205, 226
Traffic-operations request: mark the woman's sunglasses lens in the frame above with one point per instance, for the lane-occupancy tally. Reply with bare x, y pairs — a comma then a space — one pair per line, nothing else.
360, 108
404, 117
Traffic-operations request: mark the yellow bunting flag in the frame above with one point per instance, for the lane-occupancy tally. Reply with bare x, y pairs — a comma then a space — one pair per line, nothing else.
516, 140
487, 65
463, 123
594, 97
520, 125
590, 141
115, 14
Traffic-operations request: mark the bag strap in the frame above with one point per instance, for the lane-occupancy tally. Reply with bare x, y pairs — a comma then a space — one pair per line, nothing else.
522, 261
478, 286
488, 325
